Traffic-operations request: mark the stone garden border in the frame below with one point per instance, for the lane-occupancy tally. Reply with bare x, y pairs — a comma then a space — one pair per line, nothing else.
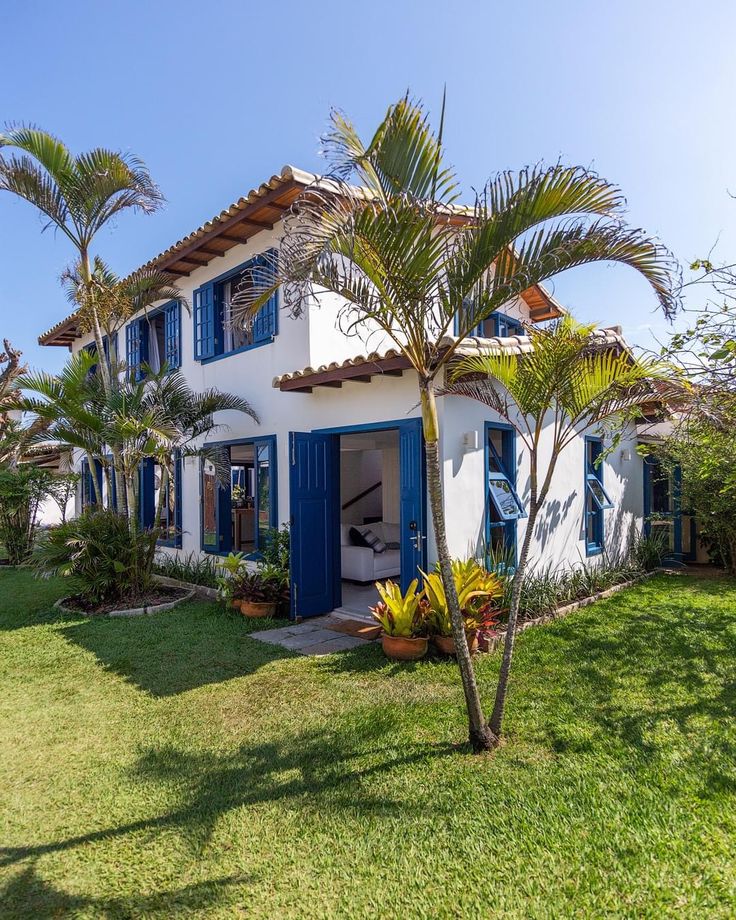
491, 643
127, 611
201, 590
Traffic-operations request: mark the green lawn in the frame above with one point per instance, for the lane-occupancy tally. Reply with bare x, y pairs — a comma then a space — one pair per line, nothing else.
172, 766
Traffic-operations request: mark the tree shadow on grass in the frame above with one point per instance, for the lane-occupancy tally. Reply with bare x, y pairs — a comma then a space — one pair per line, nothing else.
175, 651
323, 771
658, 676
28, 894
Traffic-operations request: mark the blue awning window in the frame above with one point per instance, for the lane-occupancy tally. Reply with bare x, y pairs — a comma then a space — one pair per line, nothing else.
501, 489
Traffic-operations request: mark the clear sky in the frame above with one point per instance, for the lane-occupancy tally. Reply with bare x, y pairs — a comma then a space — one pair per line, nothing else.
217, 96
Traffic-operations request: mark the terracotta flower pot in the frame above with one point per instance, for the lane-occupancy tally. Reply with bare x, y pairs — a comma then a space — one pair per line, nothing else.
446, 644
258, 608
403, 649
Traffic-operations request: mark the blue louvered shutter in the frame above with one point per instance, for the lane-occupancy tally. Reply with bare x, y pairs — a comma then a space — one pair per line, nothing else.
204, 322
133, 348
178, 471
264, 324
146, 493
172, 334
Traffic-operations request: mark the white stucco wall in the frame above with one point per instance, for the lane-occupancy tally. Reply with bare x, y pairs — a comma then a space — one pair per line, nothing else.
315, 339
559, 531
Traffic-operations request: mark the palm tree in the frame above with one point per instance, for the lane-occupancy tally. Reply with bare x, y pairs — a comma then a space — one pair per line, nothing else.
411, 264
118, 299
154, 417
78, 195
572, 380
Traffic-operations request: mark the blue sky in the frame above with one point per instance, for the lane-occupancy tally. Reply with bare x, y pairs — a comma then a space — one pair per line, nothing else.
215, 97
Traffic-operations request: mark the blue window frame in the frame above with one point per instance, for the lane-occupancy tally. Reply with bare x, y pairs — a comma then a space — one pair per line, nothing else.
596, 498
498, 324
242, 525
214, 336
154, 339
503, 504
92, 349
170, 521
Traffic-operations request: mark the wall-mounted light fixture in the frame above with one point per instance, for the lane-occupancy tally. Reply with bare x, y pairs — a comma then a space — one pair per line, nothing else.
626, 454
470, 441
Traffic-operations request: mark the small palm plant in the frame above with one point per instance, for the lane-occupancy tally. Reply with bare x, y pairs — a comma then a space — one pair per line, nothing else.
570, 381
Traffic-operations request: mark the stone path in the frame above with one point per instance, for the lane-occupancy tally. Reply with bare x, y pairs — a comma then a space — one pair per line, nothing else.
312, 637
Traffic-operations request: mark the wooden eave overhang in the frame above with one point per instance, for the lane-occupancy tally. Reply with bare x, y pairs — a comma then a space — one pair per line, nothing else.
364, 368
259, 210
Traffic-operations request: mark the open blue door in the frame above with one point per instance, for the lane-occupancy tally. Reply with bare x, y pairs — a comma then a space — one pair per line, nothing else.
413, 506
314, 478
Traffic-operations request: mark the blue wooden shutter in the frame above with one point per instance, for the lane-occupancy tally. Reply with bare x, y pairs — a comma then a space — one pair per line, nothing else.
178, 471
264, 324
133, 348
172, 334
204, 322
146, 493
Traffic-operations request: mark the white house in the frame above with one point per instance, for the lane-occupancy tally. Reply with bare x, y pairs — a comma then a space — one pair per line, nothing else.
339, 442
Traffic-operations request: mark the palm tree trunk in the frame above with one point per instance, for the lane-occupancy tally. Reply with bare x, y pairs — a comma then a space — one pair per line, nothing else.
95, 484
479, 735
499, 704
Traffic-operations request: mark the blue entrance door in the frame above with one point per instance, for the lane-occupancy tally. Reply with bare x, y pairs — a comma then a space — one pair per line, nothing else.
314, 476
412, 496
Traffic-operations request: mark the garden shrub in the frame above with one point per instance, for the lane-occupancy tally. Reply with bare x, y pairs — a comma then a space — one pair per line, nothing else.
98, 549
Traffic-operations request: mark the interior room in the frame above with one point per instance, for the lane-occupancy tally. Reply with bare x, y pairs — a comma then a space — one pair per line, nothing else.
243, 495
369, 515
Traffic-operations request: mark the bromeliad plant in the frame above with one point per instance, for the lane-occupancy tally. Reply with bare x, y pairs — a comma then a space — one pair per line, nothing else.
476, 588
402, 615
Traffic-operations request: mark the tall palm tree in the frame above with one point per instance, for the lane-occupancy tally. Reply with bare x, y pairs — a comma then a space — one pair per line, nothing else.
150, 418
384, 231
572, 380
79, 195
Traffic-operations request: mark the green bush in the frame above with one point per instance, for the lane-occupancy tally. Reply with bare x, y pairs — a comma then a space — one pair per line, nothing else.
98, 549
22, 489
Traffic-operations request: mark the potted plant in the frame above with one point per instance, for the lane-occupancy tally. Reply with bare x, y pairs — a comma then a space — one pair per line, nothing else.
476, 589
403, 618
226, 581
238, 496
257, 593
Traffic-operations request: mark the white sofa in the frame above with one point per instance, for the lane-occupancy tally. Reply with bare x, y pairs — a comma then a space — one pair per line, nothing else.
360, 563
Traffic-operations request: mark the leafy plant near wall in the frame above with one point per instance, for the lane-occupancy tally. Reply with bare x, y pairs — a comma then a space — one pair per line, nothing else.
193, 568
570, 381
406, 260
547, 588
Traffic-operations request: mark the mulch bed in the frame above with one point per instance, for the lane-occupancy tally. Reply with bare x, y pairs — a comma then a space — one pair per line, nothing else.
158, 595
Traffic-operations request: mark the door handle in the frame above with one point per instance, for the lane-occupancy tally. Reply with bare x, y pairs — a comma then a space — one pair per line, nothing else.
416, 539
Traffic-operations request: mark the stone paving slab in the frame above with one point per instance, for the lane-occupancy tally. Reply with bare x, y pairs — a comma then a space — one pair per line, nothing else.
311, 637
338, 644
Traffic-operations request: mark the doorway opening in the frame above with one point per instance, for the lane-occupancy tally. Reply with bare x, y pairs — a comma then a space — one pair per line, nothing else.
370, 512
326, 472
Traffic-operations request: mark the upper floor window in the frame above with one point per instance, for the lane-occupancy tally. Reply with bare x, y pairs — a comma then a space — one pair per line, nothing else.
92, 349
498, 324
596, 497
218, 330
154, 339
